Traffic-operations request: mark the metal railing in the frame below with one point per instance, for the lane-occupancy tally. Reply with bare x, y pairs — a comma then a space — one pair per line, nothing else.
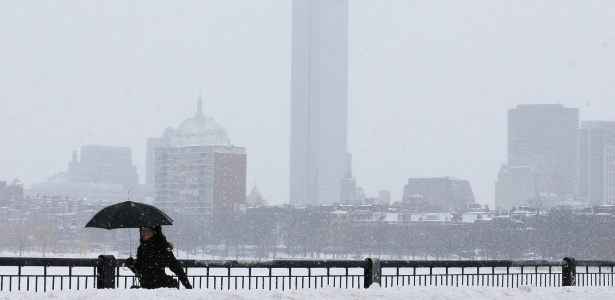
44, 274
595, 273
502, 273
276, 274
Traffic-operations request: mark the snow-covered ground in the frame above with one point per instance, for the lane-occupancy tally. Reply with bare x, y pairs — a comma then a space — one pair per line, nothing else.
524, 292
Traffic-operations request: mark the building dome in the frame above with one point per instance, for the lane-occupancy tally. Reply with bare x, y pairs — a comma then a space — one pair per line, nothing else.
200, 126
16, 182
199, 130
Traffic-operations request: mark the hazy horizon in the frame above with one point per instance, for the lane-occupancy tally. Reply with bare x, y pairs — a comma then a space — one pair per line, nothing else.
430, 83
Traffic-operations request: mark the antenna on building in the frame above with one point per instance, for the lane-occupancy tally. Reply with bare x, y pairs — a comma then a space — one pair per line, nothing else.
199, 106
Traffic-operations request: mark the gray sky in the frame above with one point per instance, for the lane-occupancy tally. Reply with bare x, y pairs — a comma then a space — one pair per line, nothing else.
430, 82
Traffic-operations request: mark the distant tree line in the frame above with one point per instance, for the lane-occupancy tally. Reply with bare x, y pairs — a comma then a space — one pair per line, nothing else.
283, 232
277, 232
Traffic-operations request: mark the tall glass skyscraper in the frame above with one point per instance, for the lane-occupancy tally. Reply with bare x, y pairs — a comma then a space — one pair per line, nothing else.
597, 162
546, 137
543, 155
319, 91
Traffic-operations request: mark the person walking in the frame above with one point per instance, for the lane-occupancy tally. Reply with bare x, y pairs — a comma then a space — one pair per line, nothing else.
154, 254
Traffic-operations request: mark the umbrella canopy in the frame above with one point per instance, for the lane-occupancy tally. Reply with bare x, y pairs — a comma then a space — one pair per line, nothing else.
129, 214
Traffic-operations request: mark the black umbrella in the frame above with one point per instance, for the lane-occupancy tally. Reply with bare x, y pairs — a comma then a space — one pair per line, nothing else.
129, 214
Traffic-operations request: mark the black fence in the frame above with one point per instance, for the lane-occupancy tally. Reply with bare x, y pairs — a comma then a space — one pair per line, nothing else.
44, 274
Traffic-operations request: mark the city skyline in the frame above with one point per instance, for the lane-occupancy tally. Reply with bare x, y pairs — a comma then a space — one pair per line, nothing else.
429, 83
212, 138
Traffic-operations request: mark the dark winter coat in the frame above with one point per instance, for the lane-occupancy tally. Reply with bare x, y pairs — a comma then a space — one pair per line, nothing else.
152, 258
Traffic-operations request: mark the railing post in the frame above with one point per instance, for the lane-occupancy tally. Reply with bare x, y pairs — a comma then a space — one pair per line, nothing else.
569, 272
106, 272
371, 272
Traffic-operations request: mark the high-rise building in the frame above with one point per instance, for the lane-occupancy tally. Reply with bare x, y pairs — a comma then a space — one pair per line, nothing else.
319, 100
348, 185
104, 164
12, 192
597, 162
199, 130
195, 171
3, 198
517, 186
384, 197
102, 173
201, 181
544, 137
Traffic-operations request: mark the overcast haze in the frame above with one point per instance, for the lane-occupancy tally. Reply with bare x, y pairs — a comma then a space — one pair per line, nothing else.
430, 82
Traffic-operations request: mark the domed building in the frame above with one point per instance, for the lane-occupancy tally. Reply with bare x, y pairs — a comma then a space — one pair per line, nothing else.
196, 131
199, 130
193, 170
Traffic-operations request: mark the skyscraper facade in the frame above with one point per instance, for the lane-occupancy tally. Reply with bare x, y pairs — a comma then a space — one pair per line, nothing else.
545, 137
597, 162
319, 87
200, 181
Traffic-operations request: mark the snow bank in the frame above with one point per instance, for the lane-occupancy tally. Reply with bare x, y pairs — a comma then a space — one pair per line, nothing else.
440, 293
